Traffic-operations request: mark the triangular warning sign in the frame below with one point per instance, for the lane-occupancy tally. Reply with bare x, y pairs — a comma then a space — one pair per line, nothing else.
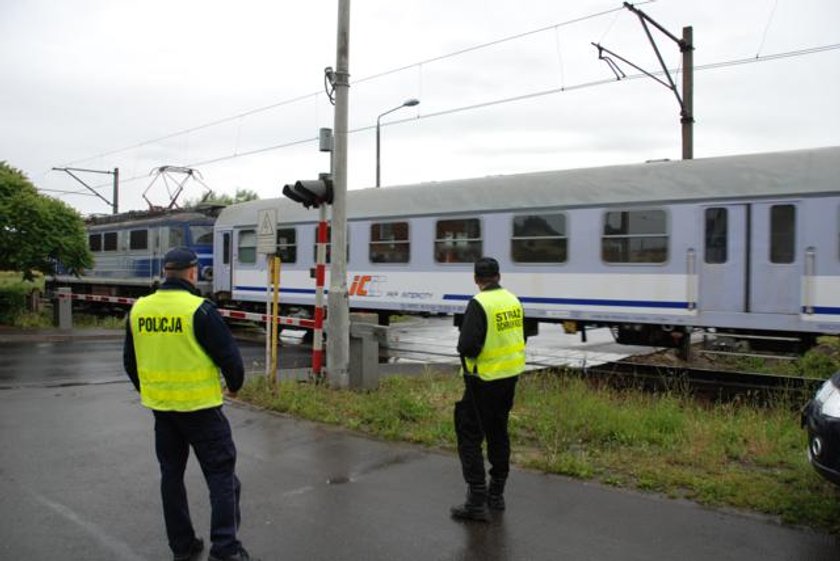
266, 226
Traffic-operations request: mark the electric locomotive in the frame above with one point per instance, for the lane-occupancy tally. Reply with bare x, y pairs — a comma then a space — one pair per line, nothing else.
128, 250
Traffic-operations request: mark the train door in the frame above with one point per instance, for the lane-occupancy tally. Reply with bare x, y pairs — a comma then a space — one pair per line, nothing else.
775, 266
157, 239
723, 260
222, 262
167, 237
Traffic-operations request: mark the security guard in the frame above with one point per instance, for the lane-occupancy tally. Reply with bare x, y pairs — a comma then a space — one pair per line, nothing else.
176, 343
492, 350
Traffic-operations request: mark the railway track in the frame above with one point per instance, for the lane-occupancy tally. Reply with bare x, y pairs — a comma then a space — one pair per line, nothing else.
706, 383
703, 382
608, 367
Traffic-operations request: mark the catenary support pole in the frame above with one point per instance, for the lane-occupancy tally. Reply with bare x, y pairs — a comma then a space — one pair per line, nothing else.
338, 319
687, 116
116, 197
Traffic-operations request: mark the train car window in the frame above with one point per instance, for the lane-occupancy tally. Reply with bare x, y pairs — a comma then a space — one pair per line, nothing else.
329, 245
247, 246
782, 234
109, 242
389, 242
201, 235
635, 236
458, 241
95, 242
287, 245
717, 233
539, 238
226, 248
176, 236
138, 239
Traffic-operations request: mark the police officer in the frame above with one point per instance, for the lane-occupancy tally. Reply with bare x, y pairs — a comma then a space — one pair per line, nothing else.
492, 350
176, 343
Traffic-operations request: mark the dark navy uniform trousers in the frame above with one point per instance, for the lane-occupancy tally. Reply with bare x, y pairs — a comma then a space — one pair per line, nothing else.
208, 432
481, 414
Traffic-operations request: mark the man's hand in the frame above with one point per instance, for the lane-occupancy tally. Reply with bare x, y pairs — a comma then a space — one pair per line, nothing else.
230, 394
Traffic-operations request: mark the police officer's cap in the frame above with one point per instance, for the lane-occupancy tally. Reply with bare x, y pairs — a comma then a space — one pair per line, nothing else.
486, 267
179, 258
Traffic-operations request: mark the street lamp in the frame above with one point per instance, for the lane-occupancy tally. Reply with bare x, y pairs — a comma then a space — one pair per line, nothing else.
407, 103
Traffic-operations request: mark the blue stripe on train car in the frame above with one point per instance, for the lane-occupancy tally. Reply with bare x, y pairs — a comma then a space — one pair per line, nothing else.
824, 310
145, 267
524, 300
587, 302
286, 290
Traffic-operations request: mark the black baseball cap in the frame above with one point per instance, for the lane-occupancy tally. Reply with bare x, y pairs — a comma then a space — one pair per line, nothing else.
179, 258
486, 267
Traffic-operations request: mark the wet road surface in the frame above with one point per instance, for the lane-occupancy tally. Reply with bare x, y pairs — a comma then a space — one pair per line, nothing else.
79, 480
58, 359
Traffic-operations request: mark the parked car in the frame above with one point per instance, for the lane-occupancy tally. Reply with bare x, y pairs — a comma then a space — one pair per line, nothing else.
821, 418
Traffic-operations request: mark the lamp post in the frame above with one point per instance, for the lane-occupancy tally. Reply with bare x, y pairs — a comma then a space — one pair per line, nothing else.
407, 103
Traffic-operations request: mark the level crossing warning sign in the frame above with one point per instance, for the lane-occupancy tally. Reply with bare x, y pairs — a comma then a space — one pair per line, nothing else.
267, 230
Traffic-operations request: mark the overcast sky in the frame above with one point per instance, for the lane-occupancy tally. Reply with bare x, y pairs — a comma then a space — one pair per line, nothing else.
113, 83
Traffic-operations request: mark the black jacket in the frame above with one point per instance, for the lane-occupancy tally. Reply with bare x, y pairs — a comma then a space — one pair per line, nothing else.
212, 334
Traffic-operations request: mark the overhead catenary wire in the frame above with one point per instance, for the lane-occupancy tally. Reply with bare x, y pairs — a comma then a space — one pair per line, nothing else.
419, 65
505, 100
613, 12
198, 127
371, 77
767, 28
523, 97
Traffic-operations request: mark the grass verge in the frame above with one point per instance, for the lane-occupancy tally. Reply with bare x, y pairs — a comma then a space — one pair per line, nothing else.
724, 455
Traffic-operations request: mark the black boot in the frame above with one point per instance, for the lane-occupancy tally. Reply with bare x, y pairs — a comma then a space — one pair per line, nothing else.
475, 508
195, 548
496, 494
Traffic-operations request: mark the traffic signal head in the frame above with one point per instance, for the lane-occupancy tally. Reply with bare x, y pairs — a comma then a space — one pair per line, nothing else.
310, 192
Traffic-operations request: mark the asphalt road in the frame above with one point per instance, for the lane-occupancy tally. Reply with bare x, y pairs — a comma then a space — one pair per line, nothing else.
78, 480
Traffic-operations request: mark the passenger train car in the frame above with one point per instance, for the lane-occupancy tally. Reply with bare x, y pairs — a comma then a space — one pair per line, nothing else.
747, 244
128, 249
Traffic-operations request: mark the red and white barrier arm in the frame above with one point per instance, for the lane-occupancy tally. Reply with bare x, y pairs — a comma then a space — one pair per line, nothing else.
232, 314
281, 320
96, 298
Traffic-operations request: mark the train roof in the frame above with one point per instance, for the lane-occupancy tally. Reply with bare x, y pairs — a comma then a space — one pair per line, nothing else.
798, 172
136, 218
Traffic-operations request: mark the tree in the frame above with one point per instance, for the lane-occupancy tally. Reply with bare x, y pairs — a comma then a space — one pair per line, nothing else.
36, 231
211, 197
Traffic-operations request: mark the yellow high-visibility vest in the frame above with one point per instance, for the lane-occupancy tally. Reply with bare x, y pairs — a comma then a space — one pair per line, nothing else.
175, 372
503, 354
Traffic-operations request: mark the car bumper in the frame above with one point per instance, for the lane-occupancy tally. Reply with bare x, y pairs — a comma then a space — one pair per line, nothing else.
823, 443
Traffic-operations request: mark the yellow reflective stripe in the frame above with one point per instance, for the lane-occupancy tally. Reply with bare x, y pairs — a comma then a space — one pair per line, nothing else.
177, 385
501, 351
181, 396
195, 376
502, 365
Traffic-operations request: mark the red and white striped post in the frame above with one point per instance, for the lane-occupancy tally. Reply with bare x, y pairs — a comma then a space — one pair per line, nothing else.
320, 267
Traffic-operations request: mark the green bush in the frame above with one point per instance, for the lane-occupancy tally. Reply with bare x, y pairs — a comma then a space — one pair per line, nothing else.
12, 302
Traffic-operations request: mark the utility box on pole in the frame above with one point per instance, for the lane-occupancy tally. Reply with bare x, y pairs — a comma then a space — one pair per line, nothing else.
63, 309
364, 357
